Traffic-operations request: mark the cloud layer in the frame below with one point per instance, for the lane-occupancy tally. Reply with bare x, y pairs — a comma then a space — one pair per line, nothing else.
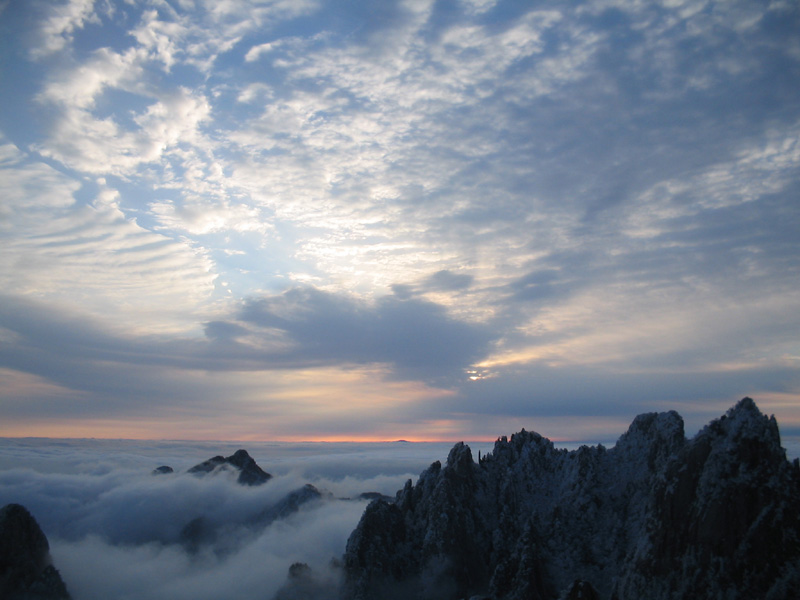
325, 219
118, 531
115, 530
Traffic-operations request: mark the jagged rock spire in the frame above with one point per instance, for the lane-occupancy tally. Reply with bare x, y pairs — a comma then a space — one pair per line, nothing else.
657, 516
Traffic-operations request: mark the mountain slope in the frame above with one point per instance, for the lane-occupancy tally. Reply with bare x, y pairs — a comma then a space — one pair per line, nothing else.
26, 570
656, 516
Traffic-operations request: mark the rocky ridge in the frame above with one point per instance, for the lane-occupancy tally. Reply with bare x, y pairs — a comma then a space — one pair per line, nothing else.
249, 472
656, 516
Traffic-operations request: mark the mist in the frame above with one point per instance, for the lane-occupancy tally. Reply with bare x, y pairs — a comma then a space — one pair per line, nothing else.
118, 531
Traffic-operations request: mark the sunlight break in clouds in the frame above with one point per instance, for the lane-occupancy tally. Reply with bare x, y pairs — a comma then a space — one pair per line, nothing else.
445, 218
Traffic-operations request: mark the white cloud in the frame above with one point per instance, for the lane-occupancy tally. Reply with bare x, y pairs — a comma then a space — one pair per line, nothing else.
64, 19
28, 185
568, 160
256, 51
163, 39
480, 6
172, 121
757, 171
114, 528
91, 256
79, 88
253, 92
84, 140
200, 218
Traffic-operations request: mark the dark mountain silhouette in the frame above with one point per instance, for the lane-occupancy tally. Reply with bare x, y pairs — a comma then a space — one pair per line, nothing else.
26, 570
249, 472
202, 532
656, 516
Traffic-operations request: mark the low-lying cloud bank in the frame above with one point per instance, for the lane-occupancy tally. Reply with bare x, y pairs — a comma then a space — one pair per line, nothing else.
122, 532
119, 532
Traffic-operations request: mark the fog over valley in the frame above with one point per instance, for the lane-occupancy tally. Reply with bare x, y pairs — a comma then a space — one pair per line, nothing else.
117, 531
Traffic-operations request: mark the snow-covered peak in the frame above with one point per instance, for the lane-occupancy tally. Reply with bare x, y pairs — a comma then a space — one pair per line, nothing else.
656, 516
460, 458
746, 420
653, 429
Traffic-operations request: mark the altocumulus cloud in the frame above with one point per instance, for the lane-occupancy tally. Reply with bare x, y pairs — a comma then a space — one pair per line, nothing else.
560, 196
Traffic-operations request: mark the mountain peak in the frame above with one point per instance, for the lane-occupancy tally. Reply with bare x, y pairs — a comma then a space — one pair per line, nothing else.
249, 472
665, 427
629, 522
460, 458
744, 421
745, 404
745, 413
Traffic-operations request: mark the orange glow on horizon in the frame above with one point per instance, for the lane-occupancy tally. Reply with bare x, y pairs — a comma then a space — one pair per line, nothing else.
439, 431
162, 431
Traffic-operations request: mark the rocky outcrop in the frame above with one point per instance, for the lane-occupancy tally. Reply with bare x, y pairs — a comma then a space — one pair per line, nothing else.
26, 570
725, 518
249, 472
290, 504
656, 517
163, 470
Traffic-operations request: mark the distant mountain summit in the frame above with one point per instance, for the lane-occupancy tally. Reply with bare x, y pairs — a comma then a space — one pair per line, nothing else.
26, 570
249, 472
655, 517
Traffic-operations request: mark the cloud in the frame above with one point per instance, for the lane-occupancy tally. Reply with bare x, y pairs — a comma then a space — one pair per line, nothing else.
448, 281
256, 51
415, 336
92, 257
89, 142
78, 88
29, 186
114, 528
80, 373
64, 19
162, 39
562, 189
201, 217
123, 523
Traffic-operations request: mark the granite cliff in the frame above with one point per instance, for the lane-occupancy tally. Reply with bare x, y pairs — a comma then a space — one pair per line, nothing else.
657, 516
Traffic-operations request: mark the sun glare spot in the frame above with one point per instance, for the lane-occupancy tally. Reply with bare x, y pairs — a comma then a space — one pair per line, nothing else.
477, 374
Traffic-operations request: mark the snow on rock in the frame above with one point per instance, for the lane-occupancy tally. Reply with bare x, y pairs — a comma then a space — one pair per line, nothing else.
656, 517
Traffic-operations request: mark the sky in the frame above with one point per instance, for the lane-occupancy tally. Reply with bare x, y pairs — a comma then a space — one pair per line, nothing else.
422, 220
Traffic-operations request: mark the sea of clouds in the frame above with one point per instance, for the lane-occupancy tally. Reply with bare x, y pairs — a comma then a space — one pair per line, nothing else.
115, 528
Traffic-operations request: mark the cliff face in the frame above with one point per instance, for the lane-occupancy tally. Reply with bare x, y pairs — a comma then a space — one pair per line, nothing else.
655, 517
26, 572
